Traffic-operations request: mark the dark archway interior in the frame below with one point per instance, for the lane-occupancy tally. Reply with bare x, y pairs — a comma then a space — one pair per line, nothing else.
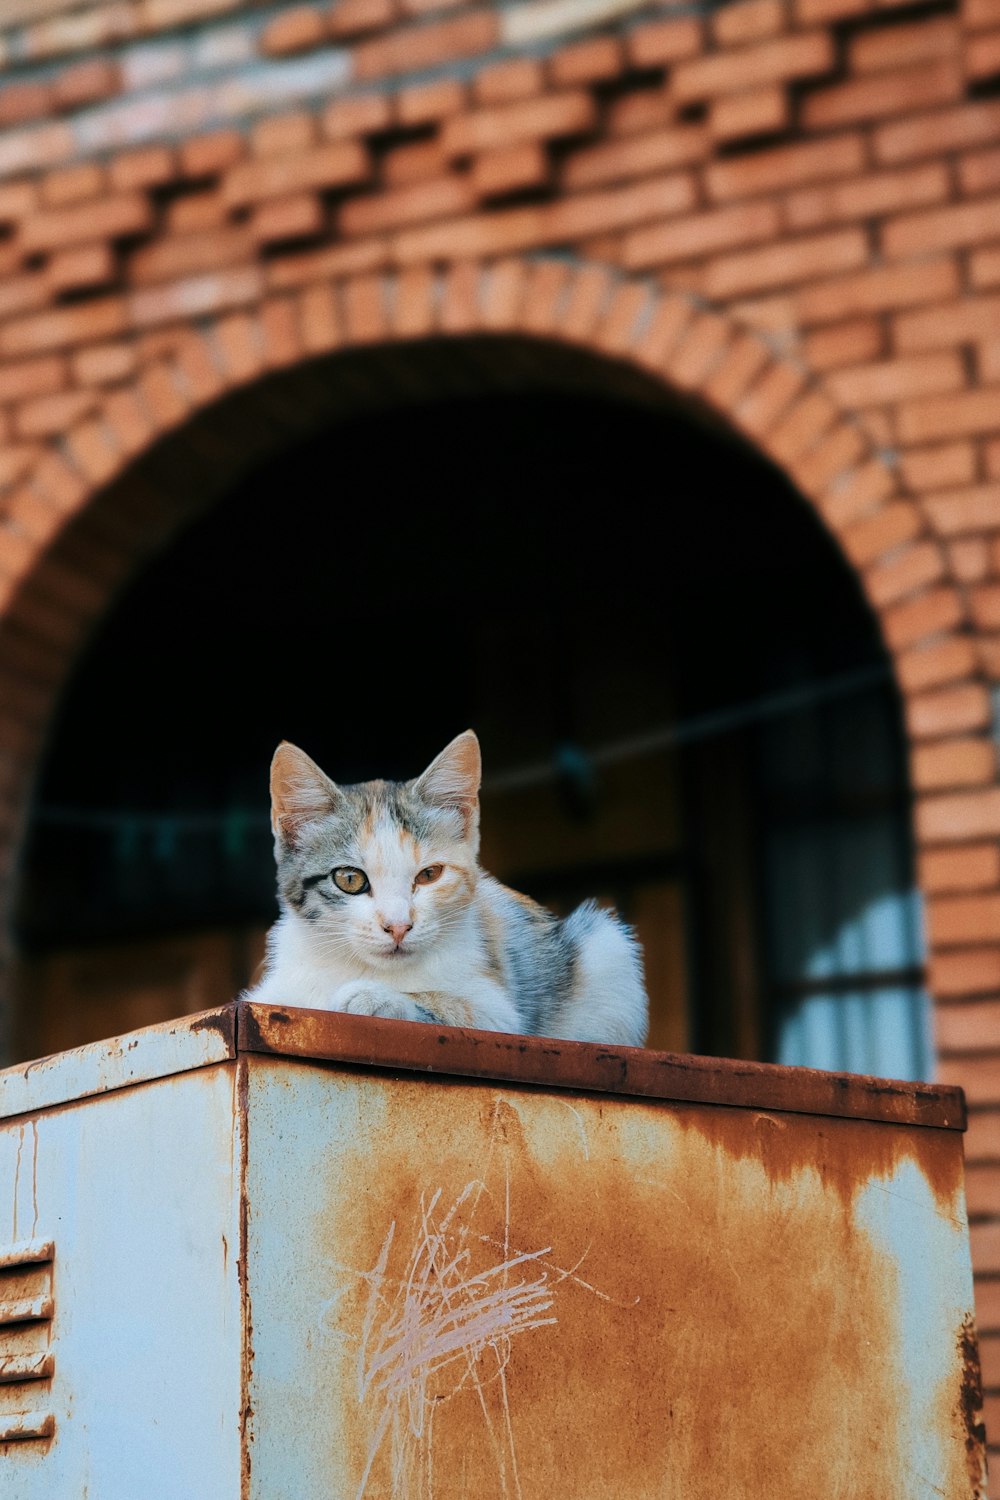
564, 573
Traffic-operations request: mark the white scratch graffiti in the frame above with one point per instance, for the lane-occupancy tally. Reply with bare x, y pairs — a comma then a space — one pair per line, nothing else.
441, 1313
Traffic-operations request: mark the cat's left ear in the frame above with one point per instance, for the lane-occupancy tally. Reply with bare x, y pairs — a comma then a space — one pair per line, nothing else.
452, 778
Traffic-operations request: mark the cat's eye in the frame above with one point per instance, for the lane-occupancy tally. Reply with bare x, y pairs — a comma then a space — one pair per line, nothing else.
349, 880
429, 874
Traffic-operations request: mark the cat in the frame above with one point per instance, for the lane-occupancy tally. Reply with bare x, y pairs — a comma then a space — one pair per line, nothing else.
386, 912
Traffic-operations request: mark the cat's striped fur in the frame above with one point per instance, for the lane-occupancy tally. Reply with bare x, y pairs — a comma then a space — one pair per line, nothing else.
426, 934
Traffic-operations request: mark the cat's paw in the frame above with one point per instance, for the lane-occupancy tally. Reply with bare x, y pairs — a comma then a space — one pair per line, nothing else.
366, 997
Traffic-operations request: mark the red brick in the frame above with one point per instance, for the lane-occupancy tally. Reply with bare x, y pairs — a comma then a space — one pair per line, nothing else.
339, 164
281, 342
969, 560
978, 15
25, 101
881, 531
955, 921
700, 350
419, 203
656, 43
640, 110
785, 263
92, 448
32, 377
985, 603
47, 415
413, 48
908, 571
942, 228
954, 762
415, 303
932, 417
153, 166
742, 364
971, 509
989, 653
832, 458
589, 293
66, 326
982, 56
968, 868
103, 218
979, 171
682, 238
238, 341
195, 296
747, 21
339, 260
948, 710
771, 396
982, 1187
980, 1078
930, 666
860, 339
897, 379
884, 94
206, 155
83, 267
22, 293
895, 46
867, 197
984, 267
128, 420
940, 466
416, 161
657, 150
300, 216
801, 428
365, 114
974, 971
937, 131
808, 12
64, 185
514, 78
958, 322
802, 55
296, 30
364, 310
988, 362
355, 17
185, 255
596, 59
426, 103
958, 817
104, 364
916, 620
319, 319
763, 111
552, 223
196, 370
195, 212
991, 458
511, 169
295, 131
86, 83
545, 118
786, 166
879, 289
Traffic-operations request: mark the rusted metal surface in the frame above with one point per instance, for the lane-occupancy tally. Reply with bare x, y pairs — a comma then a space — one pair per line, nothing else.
463, 1290
633, 1071
347, 1261
154, 1052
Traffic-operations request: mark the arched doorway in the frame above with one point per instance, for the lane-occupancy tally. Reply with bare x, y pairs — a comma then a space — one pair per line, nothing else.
704, 731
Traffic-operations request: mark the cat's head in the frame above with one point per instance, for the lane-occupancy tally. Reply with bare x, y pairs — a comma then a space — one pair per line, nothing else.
381, 869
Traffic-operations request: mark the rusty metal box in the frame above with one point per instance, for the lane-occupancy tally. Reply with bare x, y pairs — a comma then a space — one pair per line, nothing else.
293, 1255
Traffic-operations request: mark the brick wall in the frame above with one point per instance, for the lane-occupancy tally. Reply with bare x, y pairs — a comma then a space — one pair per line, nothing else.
788, 208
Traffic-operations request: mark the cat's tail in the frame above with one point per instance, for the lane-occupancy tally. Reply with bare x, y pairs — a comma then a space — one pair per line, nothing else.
607, 1000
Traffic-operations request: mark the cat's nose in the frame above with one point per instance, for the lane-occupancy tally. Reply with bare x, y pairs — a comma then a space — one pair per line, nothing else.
398, 931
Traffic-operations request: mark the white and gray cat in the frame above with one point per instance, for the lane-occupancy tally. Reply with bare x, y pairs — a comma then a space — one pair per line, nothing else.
385, 912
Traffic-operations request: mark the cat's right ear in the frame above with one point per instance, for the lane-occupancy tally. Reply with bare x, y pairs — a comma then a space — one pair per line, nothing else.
300, 793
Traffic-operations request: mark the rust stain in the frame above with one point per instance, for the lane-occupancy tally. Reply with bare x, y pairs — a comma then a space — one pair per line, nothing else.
223, 1022
640, 1302
970, 1406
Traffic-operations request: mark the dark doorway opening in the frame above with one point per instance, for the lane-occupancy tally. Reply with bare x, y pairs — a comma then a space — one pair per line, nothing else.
618, 599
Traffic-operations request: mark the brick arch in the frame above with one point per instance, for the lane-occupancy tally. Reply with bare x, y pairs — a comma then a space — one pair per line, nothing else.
665, 341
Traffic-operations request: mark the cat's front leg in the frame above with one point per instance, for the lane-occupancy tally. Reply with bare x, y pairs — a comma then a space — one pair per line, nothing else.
369, 997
